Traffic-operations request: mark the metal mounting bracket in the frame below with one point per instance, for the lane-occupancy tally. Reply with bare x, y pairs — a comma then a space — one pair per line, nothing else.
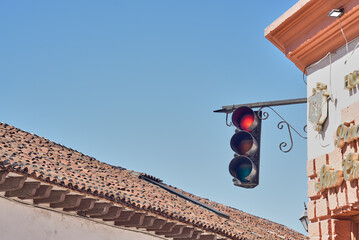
264, 115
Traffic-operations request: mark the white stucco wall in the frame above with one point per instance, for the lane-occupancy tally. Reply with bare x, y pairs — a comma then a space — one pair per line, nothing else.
331, 71
19, 221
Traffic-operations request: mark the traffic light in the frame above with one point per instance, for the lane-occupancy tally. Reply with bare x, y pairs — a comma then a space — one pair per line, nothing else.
244, 167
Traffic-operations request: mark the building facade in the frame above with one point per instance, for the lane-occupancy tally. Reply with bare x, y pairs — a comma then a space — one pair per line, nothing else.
325, 48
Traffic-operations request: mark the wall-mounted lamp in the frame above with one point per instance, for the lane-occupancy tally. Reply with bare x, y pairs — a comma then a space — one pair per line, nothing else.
304, 218
336, 13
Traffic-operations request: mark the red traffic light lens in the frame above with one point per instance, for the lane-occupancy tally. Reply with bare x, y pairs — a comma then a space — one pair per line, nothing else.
244, 118
246, 121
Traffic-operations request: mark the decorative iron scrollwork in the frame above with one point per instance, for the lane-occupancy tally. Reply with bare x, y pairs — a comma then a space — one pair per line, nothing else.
228, 124
284, 144
264, 115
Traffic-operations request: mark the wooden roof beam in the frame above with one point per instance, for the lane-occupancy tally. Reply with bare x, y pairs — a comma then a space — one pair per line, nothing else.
206, 236
187, 232
101, 208
69, 202
135, 220
176, 230
28, 190
113, 213
3, 175
12, 183
195, 235
43, 191
157, 224
85, 205
166, 228
147, 222
56, 196
124, 216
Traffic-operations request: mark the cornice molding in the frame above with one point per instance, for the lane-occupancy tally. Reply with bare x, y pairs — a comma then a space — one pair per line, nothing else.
305, 34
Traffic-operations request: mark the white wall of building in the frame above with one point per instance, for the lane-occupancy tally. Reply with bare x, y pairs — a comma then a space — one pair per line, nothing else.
19, 221
331, 71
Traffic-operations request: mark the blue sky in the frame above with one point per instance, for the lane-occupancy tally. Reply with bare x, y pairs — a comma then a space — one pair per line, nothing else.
134, 84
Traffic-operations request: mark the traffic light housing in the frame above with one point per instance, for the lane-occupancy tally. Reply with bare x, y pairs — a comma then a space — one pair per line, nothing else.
244, 167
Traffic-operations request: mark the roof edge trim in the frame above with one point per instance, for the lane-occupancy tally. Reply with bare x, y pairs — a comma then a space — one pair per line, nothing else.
305, 33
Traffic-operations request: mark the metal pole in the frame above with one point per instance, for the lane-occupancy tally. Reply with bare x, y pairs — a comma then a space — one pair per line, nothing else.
231, 108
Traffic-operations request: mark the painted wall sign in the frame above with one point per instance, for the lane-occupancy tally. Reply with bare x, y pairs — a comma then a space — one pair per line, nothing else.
328, 178
351, 167
318, 106
346, 133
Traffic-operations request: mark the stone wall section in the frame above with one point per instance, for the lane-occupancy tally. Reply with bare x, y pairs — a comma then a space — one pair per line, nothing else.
330, 211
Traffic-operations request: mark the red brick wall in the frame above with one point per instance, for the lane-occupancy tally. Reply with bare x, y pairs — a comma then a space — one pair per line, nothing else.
330, 211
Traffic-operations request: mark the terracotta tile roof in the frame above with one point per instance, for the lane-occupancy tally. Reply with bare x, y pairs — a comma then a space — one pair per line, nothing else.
52, 163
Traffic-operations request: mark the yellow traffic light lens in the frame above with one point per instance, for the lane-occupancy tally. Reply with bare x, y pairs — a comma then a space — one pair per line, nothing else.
244, 146
243, 143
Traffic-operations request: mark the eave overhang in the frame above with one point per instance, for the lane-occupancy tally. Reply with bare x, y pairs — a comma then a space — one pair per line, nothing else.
32, 190
305, 33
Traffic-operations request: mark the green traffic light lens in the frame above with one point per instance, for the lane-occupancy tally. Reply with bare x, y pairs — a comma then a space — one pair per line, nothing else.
243, 170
